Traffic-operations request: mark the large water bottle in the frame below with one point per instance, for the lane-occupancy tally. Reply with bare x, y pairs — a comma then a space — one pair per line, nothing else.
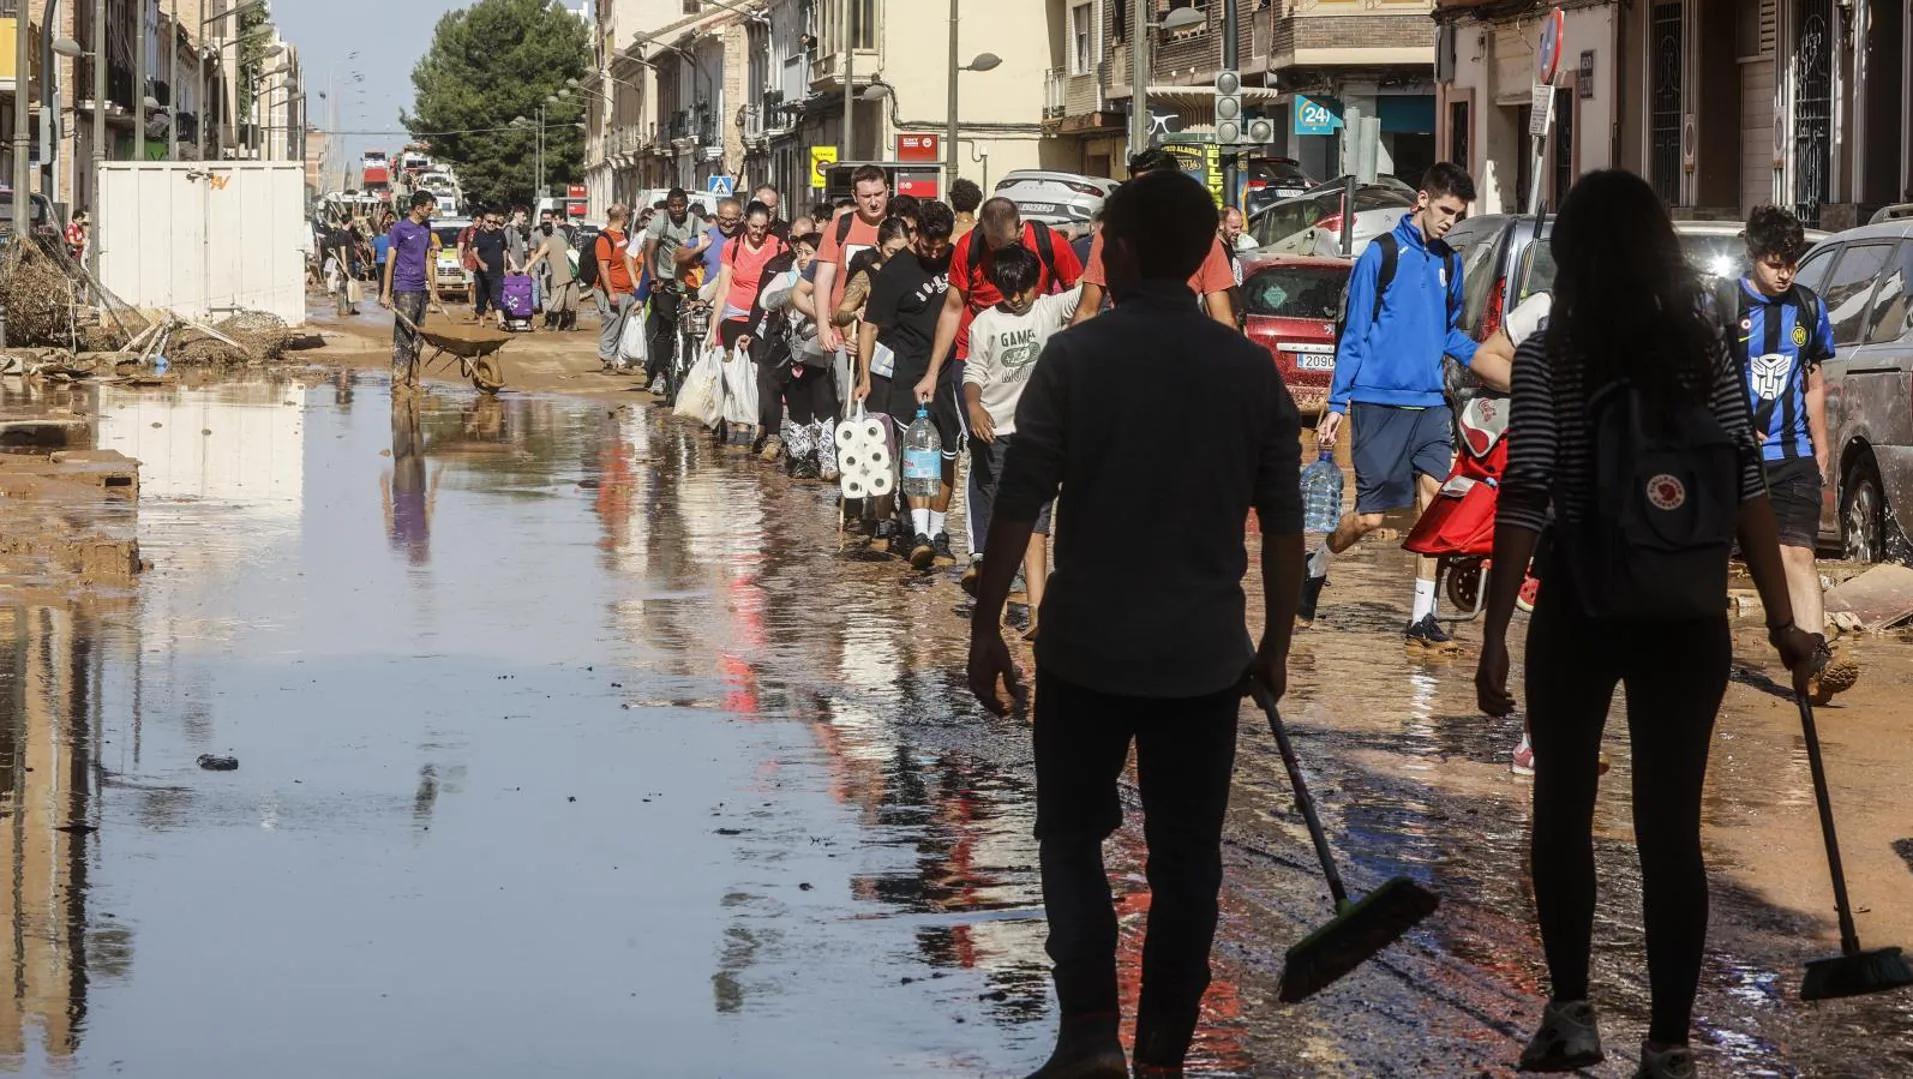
922, 457
1322, 495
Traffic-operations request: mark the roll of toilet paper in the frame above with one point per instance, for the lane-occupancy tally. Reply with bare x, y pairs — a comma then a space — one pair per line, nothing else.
853, 486
879, 484
878, 456
851, 460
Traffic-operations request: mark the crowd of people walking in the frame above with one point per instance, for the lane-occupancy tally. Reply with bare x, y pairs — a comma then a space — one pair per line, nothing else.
1646, 447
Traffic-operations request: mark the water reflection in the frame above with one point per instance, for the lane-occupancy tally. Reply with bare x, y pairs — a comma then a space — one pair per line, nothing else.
51, 671
407, 498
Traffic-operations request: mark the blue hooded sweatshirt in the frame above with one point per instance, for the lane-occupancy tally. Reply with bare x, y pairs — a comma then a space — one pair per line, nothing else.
1393, 356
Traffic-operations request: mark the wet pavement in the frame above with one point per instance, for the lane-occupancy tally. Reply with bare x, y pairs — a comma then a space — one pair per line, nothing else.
570, 745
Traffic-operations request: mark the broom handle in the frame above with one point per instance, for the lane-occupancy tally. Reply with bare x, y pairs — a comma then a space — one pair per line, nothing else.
1849, 938
1335, 886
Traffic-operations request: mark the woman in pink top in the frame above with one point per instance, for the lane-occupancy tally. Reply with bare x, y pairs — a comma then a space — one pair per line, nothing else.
742, 275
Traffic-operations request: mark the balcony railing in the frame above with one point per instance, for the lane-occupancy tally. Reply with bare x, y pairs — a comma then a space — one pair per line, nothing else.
1055, 93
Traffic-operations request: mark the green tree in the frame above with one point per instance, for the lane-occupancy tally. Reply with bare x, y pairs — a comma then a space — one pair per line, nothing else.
487, 65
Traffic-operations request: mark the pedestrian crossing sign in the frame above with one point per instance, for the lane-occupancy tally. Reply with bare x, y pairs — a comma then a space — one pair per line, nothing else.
720, 185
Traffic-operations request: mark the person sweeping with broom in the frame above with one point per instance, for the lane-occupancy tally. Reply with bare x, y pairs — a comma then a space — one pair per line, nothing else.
1158, 658
1630, 425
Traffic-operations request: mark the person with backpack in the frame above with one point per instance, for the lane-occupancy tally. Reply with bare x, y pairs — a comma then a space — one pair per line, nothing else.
1781, 335
1633, 470
614, 285
1404, 300
740, 277
1212, 282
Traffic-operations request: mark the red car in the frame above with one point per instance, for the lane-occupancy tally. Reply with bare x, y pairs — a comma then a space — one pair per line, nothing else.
1291, 304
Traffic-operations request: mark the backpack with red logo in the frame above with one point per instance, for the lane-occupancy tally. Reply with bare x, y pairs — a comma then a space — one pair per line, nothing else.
1660, 528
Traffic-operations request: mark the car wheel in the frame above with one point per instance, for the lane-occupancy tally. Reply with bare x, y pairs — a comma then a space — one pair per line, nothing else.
1863, 513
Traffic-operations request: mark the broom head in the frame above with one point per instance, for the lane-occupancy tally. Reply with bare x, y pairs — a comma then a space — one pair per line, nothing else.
1876, 971
1357, 931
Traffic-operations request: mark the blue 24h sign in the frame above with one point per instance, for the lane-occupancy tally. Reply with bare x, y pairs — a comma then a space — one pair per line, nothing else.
1316, 117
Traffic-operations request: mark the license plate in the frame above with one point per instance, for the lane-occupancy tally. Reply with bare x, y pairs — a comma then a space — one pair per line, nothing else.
1037, 207
1314, 361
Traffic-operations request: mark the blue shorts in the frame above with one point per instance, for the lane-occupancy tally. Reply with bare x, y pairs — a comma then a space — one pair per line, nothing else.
1391, 446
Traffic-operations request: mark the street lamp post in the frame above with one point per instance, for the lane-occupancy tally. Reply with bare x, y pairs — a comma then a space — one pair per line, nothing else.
987, 61
22, 176
98, 42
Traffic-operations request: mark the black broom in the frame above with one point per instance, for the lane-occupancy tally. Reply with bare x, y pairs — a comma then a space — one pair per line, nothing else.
1358, 930
1853, 972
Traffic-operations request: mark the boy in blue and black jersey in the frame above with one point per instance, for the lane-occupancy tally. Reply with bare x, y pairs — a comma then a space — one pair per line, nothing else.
1782, 336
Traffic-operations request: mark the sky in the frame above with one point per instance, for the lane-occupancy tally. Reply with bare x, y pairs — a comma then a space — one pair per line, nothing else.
362, 51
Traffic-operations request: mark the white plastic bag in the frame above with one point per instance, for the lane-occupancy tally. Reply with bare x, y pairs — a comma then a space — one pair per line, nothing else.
632, 345
701, 398
740, 389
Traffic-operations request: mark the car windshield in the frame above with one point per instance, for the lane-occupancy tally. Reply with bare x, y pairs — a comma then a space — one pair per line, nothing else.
1712, 254
1313, 292
447, 235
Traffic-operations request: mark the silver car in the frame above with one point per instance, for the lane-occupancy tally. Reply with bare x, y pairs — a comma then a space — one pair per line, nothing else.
1311, 224
1865, 275
1056, 198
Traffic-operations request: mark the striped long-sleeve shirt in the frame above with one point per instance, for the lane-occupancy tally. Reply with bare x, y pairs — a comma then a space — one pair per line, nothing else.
1550, 459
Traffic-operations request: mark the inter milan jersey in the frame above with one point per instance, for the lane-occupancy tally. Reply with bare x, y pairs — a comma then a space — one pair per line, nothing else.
1781, 339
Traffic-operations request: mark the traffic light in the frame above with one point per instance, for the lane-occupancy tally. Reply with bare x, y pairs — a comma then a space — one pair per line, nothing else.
1261, 131
1228, 107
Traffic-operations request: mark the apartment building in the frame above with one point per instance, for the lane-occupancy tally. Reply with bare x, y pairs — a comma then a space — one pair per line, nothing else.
747, 89
1722, 105
182, 55
1375, 56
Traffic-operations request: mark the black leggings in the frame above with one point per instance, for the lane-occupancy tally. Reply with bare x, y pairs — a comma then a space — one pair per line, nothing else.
811, 392
1675, 674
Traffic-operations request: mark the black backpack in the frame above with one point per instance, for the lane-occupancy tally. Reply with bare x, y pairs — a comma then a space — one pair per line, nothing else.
588, 266
1657, 535
1391, 251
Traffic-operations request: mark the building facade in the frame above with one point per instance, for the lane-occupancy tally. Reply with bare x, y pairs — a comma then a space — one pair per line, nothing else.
1723, 106
1326, 58
746, 91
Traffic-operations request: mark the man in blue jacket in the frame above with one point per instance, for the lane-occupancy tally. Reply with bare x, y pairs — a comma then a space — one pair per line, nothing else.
1404, 295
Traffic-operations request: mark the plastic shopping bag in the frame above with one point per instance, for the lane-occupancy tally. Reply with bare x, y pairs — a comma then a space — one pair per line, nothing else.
740, 389
701, 398
632, 345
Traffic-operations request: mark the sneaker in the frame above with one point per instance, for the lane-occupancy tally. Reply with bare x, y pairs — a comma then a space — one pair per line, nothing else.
1523, 762
940, 545
657, 386
1831, 674
1676, 1062
972, 577
1311, 595
773, 447
923, 553
885, 538
803, 468
1427, 636
1567, 1041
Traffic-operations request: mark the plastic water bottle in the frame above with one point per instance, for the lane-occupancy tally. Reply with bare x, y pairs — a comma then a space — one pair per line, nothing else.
922, 457
1322, 495
159, 365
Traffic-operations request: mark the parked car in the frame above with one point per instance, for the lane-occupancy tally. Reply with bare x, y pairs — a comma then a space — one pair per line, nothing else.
1269, 180
1056, 198
1865, 275
1500, 258
450, 277
43, 217
1311, 224
1291, 304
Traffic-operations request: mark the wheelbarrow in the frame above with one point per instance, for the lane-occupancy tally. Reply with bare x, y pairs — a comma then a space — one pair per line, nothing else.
474, 347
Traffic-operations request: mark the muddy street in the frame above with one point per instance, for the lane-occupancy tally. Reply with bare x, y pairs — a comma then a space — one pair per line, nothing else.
569, 743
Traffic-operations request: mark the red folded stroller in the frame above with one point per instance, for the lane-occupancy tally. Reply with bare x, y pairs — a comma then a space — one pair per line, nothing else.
1458, 528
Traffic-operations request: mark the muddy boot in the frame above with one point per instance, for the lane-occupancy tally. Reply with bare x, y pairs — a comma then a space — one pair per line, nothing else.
1832, 673
1086, 1048
1428, 638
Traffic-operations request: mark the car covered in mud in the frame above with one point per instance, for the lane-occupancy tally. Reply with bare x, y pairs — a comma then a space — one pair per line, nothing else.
449, 276
1291, 305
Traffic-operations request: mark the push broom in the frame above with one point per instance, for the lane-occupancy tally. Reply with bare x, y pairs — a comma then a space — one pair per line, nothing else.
1359, 929
1853, 972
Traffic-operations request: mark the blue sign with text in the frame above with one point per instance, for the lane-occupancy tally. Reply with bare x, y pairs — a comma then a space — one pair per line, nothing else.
1316, 116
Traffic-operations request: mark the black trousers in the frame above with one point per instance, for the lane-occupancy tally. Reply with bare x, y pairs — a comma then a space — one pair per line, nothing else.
809, 392
488, 290
662, 328
1185, 752
1676, 674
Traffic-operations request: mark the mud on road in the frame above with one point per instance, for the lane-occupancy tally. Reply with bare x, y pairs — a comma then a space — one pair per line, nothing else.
571, 744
